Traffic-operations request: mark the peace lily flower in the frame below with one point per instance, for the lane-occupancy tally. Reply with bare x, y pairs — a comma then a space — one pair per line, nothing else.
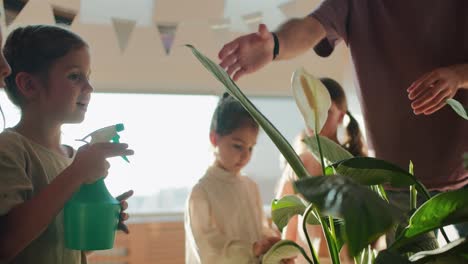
312, 98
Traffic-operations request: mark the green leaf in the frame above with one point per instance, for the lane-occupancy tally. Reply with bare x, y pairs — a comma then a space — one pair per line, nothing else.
441, 210
283, 249
281, 143
458, 108
450, 253
365, 214
372, 171
331, 151
284, 209
367, 256
389, 257
312, 99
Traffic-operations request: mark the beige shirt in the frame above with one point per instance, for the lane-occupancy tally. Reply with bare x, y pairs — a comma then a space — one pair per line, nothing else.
25, 169
223, 218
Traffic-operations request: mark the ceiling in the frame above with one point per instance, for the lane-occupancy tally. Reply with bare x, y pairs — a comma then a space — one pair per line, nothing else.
137, 45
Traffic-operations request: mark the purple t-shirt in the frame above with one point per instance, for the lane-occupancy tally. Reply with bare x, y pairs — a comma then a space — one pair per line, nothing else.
392, 44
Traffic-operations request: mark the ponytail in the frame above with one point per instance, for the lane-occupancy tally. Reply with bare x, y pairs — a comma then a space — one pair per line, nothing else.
354, 143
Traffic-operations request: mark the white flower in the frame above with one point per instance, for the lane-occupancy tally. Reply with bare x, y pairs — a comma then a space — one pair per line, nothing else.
312, 98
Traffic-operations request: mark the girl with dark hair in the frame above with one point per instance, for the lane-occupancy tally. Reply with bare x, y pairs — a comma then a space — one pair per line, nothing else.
49, 82
353, 143
224, 216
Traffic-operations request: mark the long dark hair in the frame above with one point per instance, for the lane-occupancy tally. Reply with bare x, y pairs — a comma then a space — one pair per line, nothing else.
230, 115
33, 49
354, 143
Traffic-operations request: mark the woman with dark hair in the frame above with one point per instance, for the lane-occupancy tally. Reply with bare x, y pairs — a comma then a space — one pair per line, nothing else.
353, 143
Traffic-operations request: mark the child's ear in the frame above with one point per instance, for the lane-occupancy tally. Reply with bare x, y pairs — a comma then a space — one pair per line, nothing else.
213, 138
27, 84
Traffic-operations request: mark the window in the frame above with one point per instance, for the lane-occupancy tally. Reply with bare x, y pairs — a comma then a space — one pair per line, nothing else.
170, 136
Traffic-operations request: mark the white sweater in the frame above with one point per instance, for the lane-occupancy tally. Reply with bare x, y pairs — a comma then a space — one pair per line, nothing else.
224, 217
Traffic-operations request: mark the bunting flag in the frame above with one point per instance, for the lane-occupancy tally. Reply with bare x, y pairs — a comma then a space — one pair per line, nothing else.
64, 17
123, 30
15, 8
72, 5
167, 34
34, 12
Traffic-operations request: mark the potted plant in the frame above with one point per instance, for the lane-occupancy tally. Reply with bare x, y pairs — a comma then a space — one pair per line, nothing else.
348, 201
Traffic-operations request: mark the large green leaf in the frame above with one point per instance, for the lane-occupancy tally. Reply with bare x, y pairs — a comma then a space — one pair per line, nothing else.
281, 143
372, 171
283, 249
284, 209
365, 214
458, 108
450, 253
441, 210
331, 151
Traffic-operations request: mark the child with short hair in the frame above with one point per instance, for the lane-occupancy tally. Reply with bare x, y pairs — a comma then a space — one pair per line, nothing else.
224, 216
49, 82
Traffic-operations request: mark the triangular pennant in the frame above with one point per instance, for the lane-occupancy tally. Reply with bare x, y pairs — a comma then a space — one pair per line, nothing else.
63, 17
12, 9
123, 29
35, 12
69, 5
167, 33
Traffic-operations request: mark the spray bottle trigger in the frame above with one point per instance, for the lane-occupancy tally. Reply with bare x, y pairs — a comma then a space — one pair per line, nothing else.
115, 139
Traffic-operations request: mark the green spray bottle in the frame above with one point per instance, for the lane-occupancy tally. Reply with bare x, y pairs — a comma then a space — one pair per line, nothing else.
91, 216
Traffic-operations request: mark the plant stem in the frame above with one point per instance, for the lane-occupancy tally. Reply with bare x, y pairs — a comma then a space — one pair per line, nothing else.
330, 219
304, 228
322, 162
329, 233
382, 192
413, 191
413, 198
331, 242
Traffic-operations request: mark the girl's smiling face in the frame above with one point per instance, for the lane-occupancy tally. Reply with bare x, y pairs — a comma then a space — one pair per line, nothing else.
66, 93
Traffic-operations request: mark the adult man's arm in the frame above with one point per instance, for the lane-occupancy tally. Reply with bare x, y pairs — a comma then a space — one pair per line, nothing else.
249, 53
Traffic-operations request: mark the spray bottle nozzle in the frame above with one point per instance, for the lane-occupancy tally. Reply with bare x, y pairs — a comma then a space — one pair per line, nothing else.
106, 134
119, 127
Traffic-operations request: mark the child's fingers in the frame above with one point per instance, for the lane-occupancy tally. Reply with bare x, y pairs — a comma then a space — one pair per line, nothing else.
124, 217
124, 228
123, 205
113, 149
125, 195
